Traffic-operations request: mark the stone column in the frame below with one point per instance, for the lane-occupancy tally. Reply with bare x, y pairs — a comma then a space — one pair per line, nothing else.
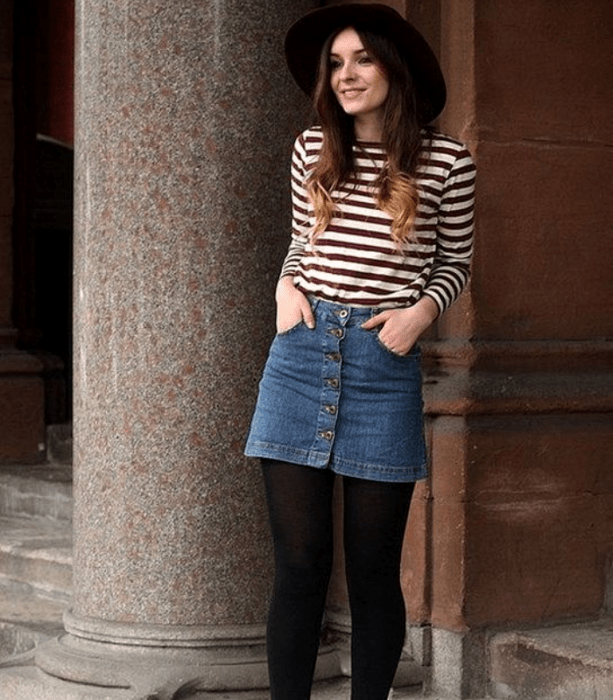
185, 117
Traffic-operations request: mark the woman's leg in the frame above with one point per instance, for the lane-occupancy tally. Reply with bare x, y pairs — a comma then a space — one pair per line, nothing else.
300, 507
374, 523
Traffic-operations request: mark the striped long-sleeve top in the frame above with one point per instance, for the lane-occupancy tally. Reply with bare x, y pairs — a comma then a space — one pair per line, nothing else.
354, 261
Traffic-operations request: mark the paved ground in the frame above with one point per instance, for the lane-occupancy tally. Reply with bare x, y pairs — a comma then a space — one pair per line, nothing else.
325, 690
339, 690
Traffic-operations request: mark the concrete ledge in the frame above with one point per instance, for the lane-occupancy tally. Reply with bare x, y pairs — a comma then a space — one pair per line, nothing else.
562, 663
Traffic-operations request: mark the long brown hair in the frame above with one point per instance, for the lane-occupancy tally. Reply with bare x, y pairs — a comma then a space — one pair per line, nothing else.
396, 190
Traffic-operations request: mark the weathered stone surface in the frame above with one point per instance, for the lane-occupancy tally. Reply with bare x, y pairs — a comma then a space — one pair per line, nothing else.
39, 490
524, 475
561, 663
36, 552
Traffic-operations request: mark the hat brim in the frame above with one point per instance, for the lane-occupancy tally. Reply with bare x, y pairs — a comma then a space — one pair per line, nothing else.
306, 37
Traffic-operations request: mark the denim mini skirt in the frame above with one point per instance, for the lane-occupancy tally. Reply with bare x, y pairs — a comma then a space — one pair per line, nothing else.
334, 397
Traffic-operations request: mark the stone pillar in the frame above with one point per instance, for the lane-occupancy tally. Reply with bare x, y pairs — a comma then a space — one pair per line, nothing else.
185, 117
21, 387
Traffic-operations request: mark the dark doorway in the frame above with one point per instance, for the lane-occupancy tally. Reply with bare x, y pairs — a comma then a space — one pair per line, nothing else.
42, 221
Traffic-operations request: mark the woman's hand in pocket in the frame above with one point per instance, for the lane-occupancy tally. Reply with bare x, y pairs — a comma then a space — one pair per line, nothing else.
401, 328
292, 306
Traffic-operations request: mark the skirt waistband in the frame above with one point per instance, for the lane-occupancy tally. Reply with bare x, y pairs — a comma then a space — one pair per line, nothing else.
349, 315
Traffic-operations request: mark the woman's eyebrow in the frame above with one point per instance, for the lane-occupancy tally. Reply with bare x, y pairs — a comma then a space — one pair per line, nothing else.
355, 53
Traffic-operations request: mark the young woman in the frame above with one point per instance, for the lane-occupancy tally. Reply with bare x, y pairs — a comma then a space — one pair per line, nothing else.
381, 244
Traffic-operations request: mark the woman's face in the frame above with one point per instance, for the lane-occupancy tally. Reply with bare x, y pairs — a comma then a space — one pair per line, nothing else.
359, 83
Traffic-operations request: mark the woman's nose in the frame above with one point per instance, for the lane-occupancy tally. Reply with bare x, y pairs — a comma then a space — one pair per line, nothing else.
347, 71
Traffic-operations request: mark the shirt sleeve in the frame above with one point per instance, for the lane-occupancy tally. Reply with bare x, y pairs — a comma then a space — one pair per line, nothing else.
451, 267
300, 209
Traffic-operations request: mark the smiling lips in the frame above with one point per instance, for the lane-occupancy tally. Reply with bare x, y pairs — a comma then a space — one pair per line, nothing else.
350, 93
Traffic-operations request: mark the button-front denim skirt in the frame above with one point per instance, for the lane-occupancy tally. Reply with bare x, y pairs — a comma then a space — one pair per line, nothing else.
335, 397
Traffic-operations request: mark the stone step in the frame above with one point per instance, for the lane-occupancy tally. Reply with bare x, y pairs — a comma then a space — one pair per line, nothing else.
36, 554
26, 620
41, 490
569, 662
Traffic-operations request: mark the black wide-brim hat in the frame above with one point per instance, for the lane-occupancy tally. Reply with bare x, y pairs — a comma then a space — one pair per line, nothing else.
306, 37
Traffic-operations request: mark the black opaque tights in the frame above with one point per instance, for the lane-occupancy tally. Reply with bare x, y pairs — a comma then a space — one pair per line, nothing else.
375, 515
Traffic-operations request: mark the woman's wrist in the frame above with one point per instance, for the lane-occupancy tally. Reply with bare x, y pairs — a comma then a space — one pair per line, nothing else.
428, 309
285, 284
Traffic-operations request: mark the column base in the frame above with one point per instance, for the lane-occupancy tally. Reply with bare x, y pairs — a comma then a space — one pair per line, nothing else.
164, 661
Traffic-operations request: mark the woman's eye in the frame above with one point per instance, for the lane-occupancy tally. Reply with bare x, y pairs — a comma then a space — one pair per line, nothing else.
365, 60
335, 65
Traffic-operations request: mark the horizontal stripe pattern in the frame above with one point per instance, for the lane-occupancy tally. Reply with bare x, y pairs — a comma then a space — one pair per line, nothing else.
354, 261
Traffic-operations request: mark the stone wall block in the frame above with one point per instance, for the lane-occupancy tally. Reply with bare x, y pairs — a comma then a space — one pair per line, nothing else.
417, 556
558, 86
560, 287
448, 530
522, 526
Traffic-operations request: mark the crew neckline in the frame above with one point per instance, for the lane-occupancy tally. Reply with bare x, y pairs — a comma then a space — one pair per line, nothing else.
371, 144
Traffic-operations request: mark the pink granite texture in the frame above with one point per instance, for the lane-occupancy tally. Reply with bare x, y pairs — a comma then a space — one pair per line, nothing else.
184, 124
